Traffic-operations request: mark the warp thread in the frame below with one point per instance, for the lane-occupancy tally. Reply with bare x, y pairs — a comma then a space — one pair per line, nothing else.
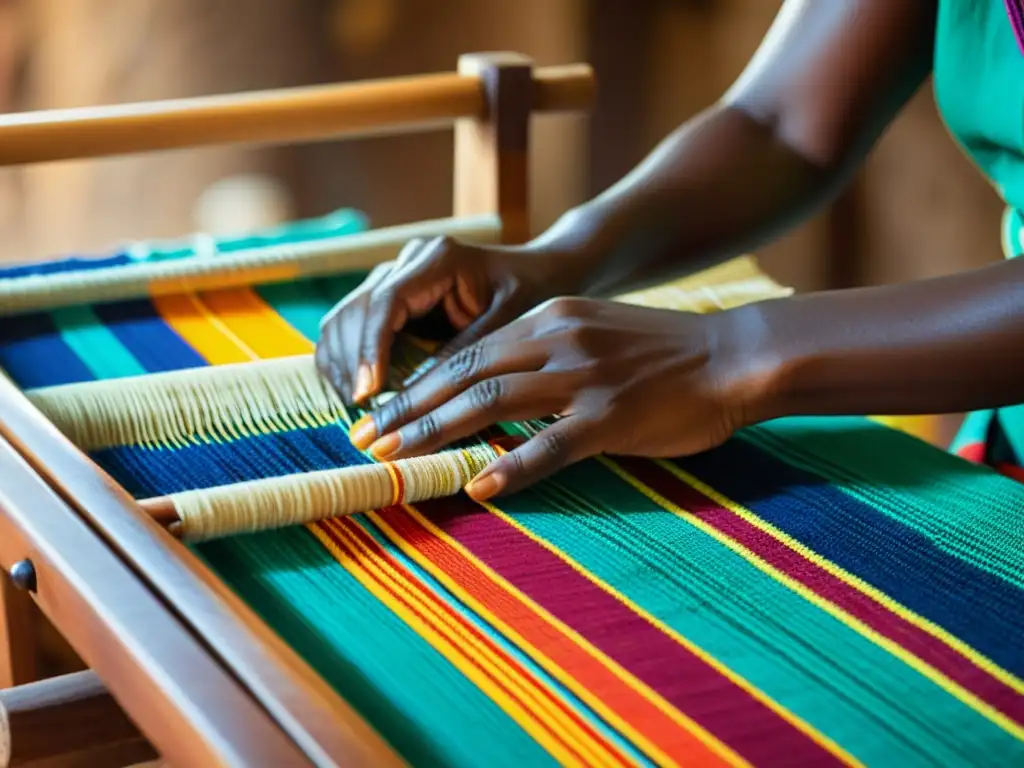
170, 410
230, 270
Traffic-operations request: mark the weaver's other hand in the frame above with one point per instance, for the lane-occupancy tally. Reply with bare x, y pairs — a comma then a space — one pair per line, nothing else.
480, 289
624, 380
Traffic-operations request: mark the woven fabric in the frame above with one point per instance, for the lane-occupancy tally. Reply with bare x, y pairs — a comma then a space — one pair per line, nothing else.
815, 592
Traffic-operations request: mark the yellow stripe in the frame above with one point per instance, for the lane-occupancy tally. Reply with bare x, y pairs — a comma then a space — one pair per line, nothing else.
359, 568
833, 610
856, 582
247, 318
720, 748
525, 684
187, 316
804, 727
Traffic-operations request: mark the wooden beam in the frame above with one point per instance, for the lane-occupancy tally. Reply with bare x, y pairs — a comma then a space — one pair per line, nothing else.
492, 151
71, 715
189, 707
19, 651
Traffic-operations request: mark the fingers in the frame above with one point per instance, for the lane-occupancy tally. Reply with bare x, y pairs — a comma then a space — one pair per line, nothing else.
563, 443
357, 336
509, 351
340, 332
411, 289
498, 316
512, 397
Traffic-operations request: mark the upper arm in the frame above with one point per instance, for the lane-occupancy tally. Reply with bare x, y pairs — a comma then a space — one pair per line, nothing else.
831, 74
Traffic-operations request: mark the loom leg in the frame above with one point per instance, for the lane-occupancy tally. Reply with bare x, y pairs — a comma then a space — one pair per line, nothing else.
67, 721
19, 651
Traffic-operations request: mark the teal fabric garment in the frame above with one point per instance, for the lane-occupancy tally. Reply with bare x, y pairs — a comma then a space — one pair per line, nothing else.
979, 88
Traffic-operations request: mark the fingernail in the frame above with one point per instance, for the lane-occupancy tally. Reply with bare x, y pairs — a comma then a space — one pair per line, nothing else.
483, 488
363, 433
386, 446
364, 383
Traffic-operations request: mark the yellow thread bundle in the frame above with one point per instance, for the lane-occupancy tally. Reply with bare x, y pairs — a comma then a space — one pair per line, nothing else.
299, 499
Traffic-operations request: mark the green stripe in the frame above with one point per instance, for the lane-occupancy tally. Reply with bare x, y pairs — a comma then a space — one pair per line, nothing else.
392, 676
800, 656
99, 349
419, 702
304, 304
965, 509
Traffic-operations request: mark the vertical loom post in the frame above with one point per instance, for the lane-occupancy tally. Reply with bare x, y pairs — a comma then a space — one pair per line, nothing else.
492, 150
18, 642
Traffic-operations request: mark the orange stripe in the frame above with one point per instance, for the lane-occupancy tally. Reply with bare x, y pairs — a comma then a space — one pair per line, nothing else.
256, 323
193, 323
535, 689
473, 653
667, 735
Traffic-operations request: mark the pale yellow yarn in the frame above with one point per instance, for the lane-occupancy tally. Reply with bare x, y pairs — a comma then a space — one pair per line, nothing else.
250, 267
169, 410
305, 498
5, 738
227, 402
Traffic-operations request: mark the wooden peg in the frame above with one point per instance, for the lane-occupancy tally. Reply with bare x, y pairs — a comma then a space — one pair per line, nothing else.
492, 150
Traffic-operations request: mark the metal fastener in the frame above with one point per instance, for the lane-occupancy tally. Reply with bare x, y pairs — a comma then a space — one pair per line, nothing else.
23, 574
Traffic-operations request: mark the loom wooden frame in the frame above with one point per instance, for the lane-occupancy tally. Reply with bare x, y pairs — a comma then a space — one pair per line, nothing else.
204, 679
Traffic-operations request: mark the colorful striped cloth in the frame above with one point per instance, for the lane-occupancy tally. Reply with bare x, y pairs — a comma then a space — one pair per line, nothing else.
815, 592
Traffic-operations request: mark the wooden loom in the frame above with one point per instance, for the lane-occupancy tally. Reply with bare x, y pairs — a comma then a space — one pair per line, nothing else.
180, 666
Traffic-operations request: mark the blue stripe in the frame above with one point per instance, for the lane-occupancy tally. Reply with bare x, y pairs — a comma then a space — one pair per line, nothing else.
33, 353
148, 338
72, 264
94, 344
978, 607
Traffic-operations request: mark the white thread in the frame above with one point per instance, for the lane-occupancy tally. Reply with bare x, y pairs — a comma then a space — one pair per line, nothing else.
5, 738
250, 267
174, 409
305, 498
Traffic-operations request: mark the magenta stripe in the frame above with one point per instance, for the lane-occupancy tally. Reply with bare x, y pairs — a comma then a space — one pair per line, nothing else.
914, 639
692, 686
1015, 8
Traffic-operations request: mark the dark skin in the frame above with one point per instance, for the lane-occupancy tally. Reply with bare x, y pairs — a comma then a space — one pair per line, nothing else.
830, 76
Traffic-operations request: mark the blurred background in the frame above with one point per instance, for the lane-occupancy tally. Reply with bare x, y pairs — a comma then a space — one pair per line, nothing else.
918, 209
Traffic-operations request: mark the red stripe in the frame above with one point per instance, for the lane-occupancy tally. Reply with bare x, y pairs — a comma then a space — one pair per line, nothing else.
925, 646
682, 678
515, 668
1011, 471
379, 554
972, 452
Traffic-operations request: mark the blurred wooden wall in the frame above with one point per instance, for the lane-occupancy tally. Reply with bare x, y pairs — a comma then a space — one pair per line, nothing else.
918, 209
87, 52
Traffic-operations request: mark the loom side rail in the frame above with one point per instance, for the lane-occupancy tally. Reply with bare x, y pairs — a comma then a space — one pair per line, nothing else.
319, 721
187, 704
375, 107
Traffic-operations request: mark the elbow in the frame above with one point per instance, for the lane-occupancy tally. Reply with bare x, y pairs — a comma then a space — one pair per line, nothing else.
822, 137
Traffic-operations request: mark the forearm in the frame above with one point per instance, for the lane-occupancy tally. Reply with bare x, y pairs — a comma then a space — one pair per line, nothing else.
937, 346
720, 185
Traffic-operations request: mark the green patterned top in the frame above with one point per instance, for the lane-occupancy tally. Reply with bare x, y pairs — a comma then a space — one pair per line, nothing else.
979, 88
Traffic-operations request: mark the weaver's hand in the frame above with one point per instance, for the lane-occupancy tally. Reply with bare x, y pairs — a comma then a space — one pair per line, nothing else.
623, 379
480, 289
